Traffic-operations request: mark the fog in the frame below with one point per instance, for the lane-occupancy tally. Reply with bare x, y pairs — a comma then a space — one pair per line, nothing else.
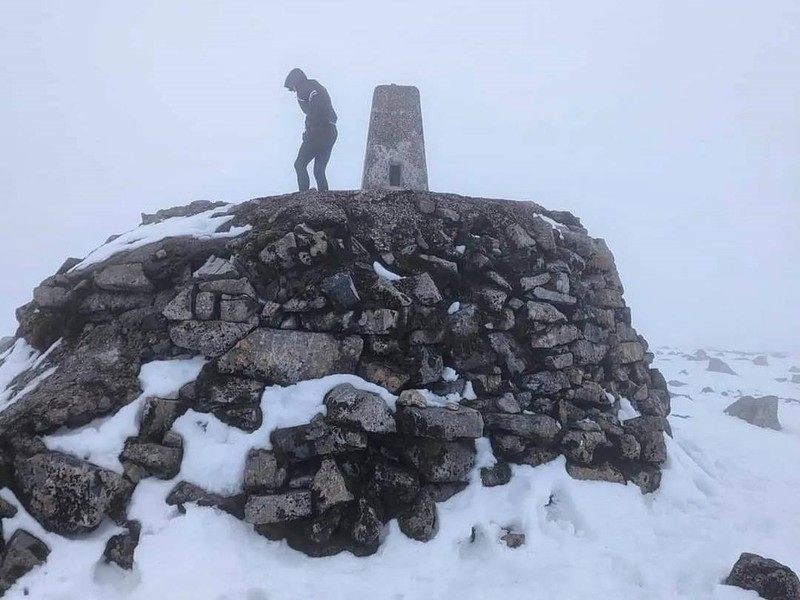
670, 127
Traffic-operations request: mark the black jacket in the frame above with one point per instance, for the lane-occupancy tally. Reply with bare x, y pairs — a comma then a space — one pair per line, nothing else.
315, 102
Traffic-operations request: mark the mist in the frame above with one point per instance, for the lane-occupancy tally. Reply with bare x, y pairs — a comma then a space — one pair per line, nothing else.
669, 127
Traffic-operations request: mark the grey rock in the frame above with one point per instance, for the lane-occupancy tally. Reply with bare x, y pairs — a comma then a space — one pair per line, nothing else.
7, 510
716, 365
513, 540
529, 283
232, 287
464, 323
441, 462
507, 347
558, 335
648, 431
427, 365
376, 321
419, 521
188, 493
536, 456
24, 552
541, 293
6, 343
439, 423
647, 477
209, 338
604, 472
158, 416
394, 485
507, 403
113, 302
263, 472
49, 296
546, 382
286, 357
519, 238
180, 307
604, 317
492, 298
315, 439
544, 234
123, 278
543, 313
328, 488
213, 390
364, 410
768, 578
341, 290
246, 418
762, 412
280, 254
67, 495
412, 398
383, 375
163, 462
386, 294
607, 299
277, 508
422, 288
626, 353
205, 306
237, 309
498, 474
556, 362
191, 209
591, 395
579, 446
367, 526
216, 268
539, 429
761, 361
629, 447
120, 548
440, 265
587, 353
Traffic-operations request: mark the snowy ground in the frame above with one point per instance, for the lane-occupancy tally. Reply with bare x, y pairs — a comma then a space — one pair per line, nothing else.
728, 487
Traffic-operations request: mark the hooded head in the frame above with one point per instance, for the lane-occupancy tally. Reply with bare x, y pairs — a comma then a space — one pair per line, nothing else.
294, 79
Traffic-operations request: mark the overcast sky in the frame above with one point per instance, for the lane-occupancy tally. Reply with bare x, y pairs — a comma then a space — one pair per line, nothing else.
671, 127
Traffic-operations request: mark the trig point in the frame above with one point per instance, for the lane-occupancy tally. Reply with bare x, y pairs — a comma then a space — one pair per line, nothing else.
395, 157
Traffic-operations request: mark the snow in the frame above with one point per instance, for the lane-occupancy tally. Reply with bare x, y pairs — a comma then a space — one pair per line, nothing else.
385, 273
19, 358
727, 487
102, 440
454, 308
203, 225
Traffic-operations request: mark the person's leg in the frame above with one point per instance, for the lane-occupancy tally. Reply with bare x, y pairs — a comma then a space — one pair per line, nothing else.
321, 160
304, 156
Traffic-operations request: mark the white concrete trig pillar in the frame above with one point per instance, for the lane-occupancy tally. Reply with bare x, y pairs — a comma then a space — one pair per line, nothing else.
395, 157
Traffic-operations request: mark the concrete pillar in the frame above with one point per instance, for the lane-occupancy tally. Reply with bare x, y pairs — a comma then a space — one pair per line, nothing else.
395, 157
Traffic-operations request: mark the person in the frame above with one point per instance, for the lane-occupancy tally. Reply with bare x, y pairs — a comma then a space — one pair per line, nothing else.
320, 133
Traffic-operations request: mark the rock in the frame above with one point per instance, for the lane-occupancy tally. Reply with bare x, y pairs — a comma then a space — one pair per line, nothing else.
277, 508
412, 398
48, 296
367, 526
341, 290
315, 439
286, 357
158, 415
6, 343
512, 353
648, 431
364, 410
123, 278
188, 493
607, 299
542, 430
546, 382
604, 472
213, 390
540, 293
24, 552
209, 338
237, 309
498, 474
647, 477
768, 578
762, 412
591, 395
543, 313
558, 335
262, 472
441, 462
419, 521
626, 353
328, 488
519, 238
191, 209
380, 374
529, 283
422, 288
442, 266
376, 321
121, 547
439, 423
426, 365
205, 306
180, 307
587, 353
246, 418
557, 362
163, 462
507, 403
579, 446
394, 485
716, 365
7, 510
514, 540
280, 254
216, 268
761, 361
67, 495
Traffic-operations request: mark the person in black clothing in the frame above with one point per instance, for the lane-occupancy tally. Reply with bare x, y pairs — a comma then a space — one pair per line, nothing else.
320, 133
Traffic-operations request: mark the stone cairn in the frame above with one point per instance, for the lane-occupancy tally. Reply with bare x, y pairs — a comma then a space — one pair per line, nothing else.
518, 300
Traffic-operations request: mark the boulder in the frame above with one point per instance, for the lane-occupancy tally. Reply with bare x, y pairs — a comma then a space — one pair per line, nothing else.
188, 493
579, 446
540, 429
24, 552
120, 548
546, 382
394, 485
393, 379
67, 495
558, 335
422, 289
328, 488
716, 365
158, 416
209, 338
498, 474
341, 290
768, 578
262, 472
761, 412
603, 472
441, 462
439, 423
315, 439
161, 461
363, 410
419, 521
123, 278
180, 307
216, 268
277, 508
542, 312
286, 357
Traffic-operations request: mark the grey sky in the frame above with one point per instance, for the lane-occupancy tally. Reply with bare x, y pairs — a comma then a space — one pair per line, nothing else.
671, 127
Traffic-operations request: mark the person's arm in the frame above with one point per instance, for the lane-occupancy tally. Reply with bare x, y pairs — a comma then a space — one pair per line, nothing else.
303, 104
316, 107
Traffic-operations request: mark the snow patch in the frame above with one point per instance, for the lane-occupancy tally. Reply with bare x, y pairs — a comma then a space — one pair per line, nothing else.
385, 273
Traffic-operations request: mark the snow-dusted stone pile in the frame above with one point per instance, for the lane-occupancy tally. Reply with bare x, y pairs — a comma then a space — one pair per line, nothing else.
476, 319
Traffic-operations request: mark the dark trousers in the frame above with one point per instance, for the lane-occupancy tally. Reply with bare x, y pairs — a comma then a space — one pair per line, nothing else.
317, 145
